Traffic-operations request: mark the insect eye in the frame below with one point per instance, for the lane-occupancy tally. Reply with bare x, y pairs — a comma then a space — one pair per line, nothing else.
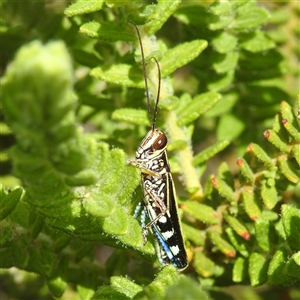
160, 142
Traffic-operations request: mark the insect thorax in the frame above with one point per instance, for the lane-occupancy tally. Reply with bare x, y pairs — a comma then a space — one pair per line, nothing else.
152, 145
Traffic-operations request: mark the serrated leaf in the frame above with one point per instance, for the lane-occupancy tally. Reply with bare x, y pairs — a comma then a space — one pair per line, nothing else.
252, 204
124, 75
193, 234
264, 234
222, 244
83, 7
164, 279
111, 226
258, 267
99, 205
229, 127
109, 292
109, 32
163, 11
225, 62
268, 193
276, 274
291, 224
57, 285
135, 116
220, 22
245, 170
125, 286
6, 233
293, 266
238, 243
200, 211
248, 18
86, 177
260, 154
237, 226
9, 202
223, 188
203, 265
180, 56
219, 82
296, 153
186, 288
210, 152
197, 107
288, 170
226, 103
239, 272
170, 103
224, 42
257, 42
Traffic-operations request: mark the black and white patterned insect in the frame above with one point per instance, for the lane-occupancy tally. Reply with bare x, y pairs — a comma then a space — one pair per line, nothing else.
159, 203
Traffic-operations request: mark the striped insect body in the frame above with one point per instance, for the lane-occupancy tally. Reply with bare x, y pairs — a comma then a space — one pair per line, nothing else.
159, 203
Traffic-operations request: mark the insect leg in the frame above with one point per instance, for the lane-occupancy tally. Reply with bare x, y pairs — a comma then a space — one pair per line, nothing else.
143, 168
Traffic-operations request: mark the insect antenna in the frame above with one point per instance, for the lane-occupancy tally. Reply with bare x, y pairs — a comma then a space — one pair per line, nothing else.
158, 93
152, 119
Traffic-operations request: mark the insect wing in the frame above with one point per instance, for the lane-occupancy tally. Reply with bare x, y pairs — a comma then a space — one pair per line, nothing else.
167, 228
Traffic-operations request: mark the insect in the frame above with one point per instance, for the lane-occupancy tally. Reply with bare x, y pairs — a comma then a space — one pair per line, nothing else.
159, 203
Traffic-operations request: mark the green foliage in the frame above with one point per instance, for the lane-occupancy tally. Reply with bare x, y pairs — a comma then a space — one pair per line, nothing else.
73, 112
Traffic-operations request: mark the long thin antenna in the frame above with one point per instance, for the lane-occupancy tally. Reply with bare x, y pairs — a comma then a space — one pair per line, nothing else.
158, 94
145, 73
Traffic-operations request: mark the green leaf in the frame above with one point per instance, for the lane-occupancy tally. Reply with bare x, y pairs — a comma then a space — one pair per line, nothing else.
277, 268
229, 127
6, 233
257, 42
225, 104
238, 243
265, 234
163, 11
186, 288
109, 32
170, 103
180, 56
163, 280
268, 193
197, 107
258, 267
200, 211
293, 266
135, 116
220, 22
125, 286
260, 154
291, 224
57, 286
124, 75
210, 152
83, 7
9, 202
203, 265
239, 272
225, 62
224, 42
219, 82
193, 234
222, 244
223, 188
249, 17
288, 170
109, 292
245, 170
252, 203
237, 226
